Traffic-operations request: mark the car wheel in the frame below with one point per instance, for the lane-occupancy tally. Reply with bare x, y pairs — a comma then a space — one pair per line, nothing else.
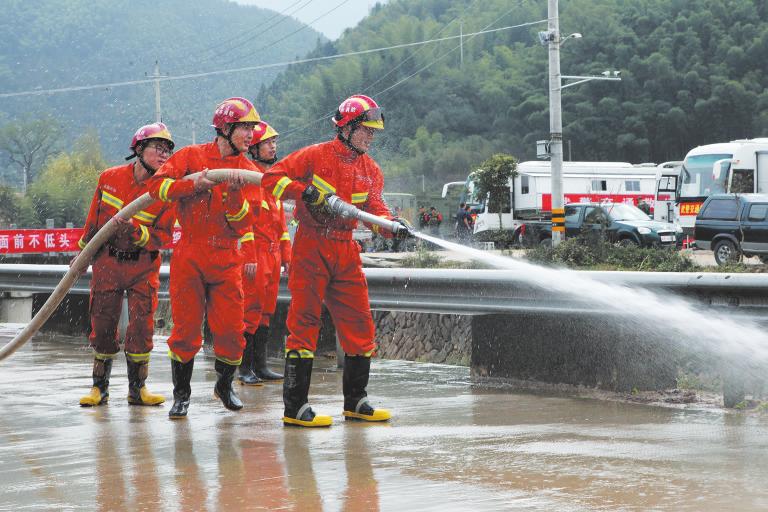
726, 252
628, 242
764, 258
546, 242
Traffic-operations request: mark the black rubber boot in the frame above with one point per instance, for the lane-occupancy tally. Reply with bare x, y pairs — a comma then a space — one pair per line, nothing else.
260, 356
99, 394
355, 380
298, 374
182, 389
223, 389
245, 373
138, 394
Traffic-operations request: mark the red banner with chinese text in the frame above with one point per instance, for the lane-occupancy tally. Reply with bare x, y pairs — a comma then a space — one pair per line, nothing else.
26, 241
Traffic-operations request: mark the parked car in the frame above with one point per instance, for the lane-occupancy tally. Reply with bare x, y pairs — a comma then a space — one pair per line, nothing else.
732, 226
620, 223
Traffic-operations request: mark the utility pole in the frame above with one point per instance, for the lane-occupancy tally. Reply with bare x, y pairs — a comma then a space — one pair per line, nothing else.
555, 123
158, 115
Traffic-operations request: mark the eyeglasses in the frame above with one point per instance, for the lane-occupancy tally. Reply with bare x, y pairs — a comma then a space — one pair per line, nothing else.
163, 149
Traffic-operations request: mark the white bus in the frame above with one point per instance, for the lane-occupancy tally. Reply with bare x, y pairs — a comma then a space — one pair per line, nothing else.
739, 166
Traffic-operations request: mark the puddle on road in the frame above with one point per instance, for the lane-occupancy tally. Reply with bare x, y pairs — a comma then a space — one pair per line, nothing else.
450, 447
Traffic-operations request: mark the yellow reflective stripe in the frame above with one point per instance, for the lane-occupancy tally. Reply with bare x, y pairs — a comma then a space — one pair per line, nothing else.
360, 197
264, 204
231, 362
144, 238
103, 357
280, 187
369, 353
111, 200
81, 244
163, 193
145, 217
299, 354
285, 236
174, 356
137, 358
323, 185
279, 204
241, 214
248, 237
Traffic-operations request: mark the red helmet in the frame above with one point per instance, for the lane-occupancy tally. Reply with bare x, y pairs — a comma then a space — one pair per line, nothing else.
262, 132
359, 109
151, 131
235, 110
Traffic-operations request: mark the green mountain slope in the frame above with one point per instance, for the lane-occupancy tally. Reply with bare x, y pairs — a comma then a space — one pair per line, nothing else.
693, 72
47, 44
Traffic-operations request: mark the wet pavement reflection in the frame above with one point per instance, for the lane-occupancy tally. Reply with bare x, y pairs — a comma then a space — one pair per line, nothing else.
451, 446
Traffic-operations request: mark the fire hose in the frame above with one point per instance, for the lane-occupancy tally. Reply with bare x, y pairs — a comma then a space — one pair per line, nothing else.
83, 259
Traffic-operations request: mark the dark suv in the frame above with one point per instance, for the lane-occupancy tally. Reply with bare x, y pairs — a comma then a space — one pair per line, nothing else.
732, 225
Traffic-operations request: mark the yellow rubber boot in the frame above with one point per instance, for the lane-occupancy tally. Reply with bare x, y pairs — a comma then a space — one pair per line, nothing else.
306, 417
99, 394
364, 412
298, 374
357, 368
138, 394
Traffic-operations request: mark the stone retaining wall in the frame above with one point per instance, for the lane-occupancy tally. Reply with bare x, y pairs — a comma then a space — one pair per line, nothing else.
423, 337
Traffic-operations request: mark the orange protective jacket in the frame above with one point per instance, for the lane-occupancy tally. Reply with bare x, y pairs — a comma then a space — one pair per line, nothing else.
117, 187
333, 168
220, 217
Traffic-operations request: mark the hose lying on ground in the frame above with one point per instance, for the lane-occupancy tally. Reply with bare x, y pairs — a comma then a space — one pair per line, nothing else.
83, 259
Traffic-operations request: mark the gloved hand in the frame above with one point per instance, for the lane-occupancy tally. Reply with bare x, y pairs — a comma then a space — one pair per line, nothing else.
313, 196
405, 229
124, 226
235, 180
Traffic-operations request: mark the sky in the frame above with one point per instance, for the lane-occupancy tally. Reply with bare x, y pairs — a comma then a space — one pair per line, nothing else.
347, 15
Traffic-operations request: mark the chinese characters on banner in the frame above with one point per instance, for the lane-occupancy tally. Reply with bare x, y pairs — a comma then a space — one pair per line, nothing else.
25, 241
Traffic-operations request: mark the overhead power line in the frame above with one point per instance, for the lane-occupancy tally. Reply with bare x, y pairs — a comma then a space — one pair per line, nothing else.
190, 76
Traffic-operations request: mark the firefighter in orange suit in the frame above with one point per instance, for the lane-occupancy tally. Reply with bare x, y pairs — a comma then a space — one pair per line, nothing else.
326, 263
273, 250
207, 263
128, 262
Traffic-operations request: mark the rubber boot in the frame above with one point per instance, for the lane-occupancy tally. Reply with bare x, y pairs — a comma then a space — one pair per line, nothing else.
138, 394
245, 373
182, 389
260, 360
102, 369
298, 374
354, 382
223, 389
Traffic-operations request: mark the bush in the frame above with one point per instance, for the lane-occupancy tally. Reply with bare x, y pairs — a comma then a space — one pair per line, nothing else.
590, 253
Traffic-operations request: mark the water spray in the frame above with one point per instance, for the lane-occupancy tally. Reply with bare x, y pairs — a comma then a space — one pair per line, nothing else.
83, 259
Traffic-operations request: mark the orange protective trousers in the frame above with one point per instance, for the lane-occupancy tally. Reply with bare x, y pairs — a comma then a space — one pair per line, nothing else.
206, 280
330, 270
111, 278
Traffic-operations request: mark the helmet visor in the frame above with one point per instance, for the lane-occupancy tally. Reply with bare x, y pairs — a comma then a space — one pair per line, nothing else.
374, 118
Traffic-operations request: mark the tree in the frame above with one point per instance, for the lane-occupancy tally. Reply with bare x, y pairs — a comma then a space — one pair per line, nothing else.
492, 181
28, 144
66, 183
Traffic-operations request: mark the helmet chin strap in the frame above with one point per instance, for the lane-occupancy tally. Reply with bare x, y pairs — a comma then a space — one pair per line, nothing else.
348, 141
150, 170
228, 138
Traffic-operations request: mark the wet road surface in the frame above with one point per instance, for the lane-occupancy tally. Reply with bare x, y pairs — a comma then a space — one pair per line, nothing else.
449, 447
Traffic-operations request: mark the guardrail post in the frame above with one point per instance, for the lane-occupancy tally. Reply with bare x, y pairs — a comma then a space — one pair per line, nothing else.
16, 307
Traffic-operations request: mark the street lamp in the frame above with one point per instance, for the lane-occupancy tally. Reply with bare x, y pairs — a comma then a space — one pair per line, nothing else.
551, 38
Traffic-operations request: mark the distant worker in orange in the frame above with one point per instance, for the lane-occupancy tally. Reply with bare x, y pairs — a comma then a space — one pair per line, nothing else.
207, 263
326, 263
128, 263
272, 247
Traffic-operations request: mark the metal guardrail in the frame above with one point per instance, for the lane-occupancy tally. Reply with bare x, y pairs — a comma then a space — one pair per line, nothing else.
461, 291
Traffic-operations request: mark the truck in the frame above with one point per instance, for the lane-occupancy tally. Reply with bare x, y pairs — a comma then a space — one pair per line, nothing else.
618, 223
528, 196
732, 226
738, 166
